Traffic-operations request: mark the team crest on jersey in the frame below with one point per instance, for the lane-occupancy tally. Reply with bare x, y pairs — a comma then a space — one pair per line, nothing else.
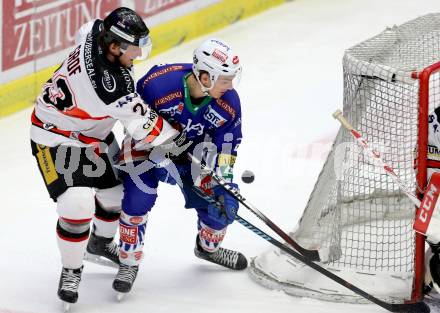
174, 110
214, 117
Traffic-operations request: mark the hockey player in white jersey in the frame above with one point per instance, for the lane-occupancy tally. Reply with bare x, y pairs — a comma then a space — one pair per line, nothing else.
73, 144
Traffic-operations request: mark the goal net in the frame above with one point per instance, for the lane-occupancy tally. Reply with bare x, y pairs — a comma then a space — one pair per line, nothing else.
356, 217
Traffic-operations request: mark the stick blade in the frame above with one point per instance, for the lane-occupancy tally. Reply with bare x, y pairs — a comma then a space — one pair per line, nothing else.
418, 307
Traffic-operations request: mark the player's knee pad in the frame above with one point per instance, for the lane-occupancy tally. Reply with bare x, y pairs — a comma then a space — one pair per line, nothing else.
210, 239
131, 238
108, 208
76, 204
110, 199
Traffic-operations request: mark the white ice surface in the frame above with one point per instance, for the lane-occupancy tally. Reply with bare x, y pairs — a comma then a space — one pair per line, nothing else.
291, 84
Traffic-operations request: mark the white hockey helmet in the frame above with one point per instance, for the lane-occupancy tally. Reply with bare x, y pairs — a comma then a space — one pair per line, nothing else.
216, 58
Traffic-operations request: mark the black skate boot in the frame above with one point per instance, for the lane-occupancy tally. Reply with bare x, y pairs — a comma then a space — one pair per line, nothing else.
69, 283
103, 251
432, 269
124, 279
224, 257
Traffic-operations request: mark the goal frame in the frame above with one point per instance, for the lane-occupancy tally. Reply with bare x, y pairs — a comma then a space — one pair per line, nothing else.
422, 166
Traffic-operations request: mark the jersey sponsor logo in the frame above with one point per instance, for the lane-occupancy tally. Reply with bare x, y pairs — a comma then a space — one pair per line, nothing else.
225, 106
151, 122
214, 117
108, 81
128, 234
46, 164
74, 135
174, 110
163, 71
433, 150
219, 55
128, 80
48, 126
190, 127
88, 60
168, 98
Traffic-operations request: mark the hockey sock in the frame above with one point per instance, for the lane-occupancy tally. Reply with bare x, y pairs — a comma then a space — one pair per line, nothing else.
210, 239
72, 238
105, 223
131, 234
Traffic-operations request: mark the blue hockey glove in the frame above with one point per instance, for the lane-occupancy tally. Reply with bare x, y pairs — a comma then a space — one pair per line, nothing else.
225, 215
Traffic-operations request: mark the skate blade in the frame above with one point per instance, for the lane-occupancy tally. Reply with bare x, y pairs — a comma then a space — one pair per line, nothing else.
99, 260
120, 296
66, 306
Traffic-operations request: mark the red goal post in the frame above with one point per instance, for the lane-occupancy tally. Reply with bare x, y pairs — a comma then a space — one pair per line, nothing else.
357, 217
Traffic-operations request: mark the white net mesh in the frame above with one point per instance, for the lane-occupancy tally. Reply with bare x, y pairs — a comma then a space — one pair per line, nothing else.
356, 217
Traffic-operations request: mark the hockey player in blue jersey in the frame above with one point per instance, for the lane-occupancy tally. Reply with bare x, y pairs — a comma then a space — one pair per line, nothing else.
199, 100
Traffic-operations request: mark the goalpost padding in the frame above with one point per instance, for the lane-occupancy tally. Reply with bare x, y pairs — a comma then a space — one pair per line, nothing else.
357, 217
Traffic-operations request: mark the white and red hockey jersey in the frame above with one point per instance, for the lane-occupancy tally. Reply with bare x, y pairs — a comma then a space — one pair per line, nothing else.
87, 94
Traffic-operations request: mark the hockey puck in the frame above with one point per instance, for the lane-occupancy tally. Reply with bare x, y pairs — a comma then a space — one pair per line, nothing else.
247, 177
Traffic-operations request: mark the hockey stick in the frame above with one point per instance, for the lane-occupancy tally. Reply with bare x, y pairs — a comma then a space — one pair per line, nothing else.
418, 307
376, 156
312, 255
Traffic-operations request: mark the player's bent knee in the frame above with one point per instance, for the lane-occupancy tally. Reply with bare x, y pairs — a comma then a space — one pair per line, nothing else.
76, 204
110, 198
138, 203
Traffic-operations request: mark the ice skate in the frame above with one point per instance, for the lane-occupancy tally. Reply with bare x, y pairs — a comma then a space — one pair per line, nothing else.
432, 270
124, 279
224, 257
68, 286
102, 251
